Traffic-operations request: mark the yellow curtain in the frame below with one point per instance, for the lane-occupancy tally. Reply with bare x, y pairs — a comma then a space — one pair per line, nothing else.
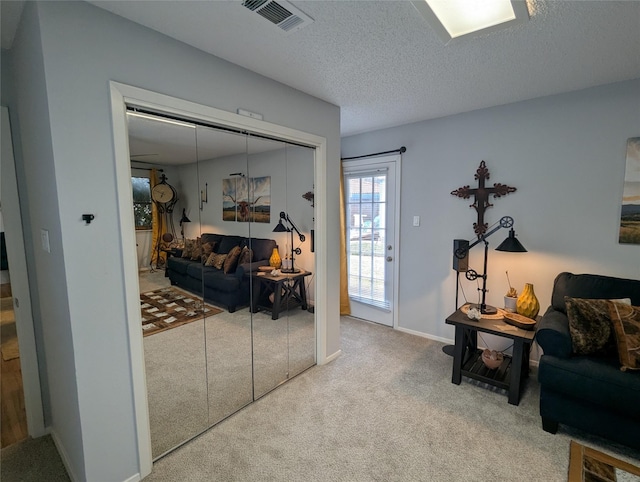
157, 257
345, 304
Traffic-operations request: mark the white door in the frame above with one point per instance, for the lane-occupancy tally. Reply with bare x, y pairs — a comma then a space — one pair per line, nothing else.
371, 187
12, 221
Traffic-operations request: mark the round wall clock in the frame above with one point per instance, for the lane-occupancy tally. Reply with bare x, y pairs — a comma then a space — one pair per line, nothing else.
163, 193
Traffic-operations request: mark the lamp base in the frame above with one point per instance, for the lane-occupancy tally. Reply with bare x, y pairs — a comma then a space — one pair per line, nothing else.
487, 310
289, 271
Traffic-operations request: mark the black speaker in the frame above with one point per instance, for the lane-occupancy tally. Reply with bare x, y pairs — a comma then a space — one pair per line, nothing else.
460, 247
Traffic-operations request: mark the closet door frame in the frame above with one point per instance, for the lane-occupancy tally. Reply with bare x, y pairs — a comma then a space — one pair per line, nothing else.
123, 95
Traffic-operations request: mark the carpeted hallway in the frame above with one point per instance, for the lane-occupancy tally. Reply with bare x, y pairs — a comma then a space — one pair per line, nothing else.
385, 410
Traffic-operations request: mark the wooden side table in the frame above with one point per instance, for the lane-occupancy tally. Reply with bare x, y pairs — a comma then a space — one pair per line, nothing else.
467, 358
288, 290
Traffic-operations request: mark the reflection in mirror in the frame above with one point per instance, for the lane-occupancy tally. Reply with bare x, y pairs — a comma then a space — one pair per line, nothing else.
267, 179
299, 207
283, 320
222, 164
173, 331
220, 330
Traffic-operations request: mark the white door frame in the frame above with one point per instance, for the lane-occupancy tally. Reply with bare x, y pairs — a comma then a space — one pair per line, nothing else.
397, 159
20, 285
121, 95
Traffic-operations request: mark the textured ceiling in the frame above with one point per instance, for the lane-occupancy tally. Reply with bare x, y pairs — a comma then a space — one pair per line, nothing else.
385, 66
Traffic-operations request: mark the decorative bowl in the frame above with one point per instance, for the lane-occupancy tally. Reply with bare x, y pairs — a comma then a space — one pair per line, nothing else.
520, 321
492, 359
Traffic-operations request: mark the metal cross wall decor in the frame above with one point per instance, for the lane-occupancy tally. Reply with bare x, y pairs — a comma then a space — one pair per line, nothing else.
482, 193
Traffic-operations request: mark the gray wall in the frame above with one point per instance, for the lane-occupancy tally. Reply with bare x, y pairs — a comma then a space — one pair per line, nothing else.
64, 56
565, 154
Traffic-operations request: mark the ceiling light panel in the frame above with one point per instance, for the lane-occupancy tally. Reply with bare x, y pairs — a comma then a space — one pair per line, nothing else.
452, 19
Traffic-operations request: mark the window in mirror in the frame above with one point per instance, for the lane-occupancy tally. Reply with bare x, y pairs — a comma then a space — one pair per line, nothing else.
141, 202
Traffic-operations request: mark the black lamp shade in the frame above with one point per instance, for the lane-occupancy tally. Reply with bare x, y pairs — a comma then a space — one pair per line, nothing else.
280, 228
184, 219
511, 244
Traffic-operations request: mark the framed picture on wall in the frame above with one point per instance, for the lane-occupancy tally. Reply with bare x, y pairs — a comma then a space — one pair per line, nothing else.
246, 200
630, 212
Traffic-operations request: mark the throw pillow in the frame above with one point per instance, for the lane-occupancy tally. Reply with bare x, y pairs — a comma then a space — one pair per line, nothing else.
216, 260
207, 249
188, 248
246, 256
232, 260
626, 325
590, 326
197, 250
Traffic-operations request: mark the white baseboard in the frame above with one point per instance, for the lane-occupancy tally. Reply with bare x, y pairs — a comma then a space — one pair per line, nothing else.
426, 335
331, 357
133, 478
63, 455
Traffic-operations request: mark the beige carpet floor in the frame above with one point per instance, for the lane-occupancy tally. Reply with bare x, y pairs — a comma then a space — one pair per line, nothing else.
385, 410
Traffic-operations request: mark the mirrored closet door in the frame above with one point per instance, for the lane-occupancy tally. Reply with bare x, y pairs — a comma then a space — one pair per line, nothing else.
164, 159
240, 199
222, 165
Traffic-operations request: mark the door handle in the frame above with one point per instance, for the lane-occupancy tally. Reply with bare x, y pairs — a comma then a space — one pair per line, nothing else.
389, 258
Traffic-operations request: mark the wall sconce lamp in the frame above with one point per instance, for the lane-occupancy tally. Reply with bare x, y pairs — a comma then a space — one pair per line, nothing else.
204, 195
461, 251
281, 228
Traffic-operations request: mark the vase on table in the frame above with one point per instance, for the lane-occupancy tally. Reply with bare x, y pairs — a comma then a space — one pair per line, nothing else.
275, 260
510, 304
527, 304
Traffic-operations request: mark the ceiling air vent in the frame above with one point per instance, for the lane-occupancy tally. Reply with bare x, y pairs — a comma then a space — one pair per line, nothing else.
280, 13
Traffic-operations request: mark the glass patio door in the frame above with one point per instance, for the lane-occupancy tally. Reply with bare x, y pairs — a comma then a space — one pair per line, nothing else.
370, 195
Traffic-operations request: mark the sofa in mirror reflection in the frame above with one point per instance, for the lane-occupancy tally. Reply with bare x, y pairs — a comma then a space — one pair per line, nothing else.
216, 266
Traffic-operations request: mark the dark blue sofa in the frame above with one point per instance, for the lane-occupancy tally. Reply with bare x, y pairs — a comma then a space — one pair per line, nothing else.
231, 290
587, 392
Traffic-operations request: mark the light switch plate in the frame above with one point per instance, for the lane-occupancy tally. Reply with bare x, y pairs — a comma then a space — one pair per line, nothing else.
44, 236
416, 220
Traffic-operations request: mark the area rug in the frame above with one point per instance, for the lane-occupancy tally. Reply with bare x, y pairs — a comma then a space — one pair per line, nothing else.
589, 465
171, 307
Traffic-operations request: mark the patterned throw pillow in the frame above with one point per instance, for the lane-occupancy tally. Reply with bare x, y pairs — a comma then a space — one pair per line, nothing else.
188, 248
626, 325
231, 262
216, 260
207, 249
246, 256
196, 254
590, 326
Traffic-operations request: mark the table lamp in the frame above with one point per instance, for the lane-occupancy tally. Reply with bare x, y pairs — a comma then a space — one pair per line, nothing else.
290, 228
461, 250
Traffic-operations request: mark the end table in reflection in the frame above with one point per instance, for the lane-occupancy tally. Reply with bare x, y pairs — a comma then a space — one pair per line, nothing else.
288, 291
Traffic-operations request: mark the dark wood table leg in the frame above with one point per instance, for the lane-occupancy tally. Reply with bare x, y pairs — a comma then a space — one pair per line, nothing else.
277, 299
255, 296
516, 372
458, 352
303, 291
